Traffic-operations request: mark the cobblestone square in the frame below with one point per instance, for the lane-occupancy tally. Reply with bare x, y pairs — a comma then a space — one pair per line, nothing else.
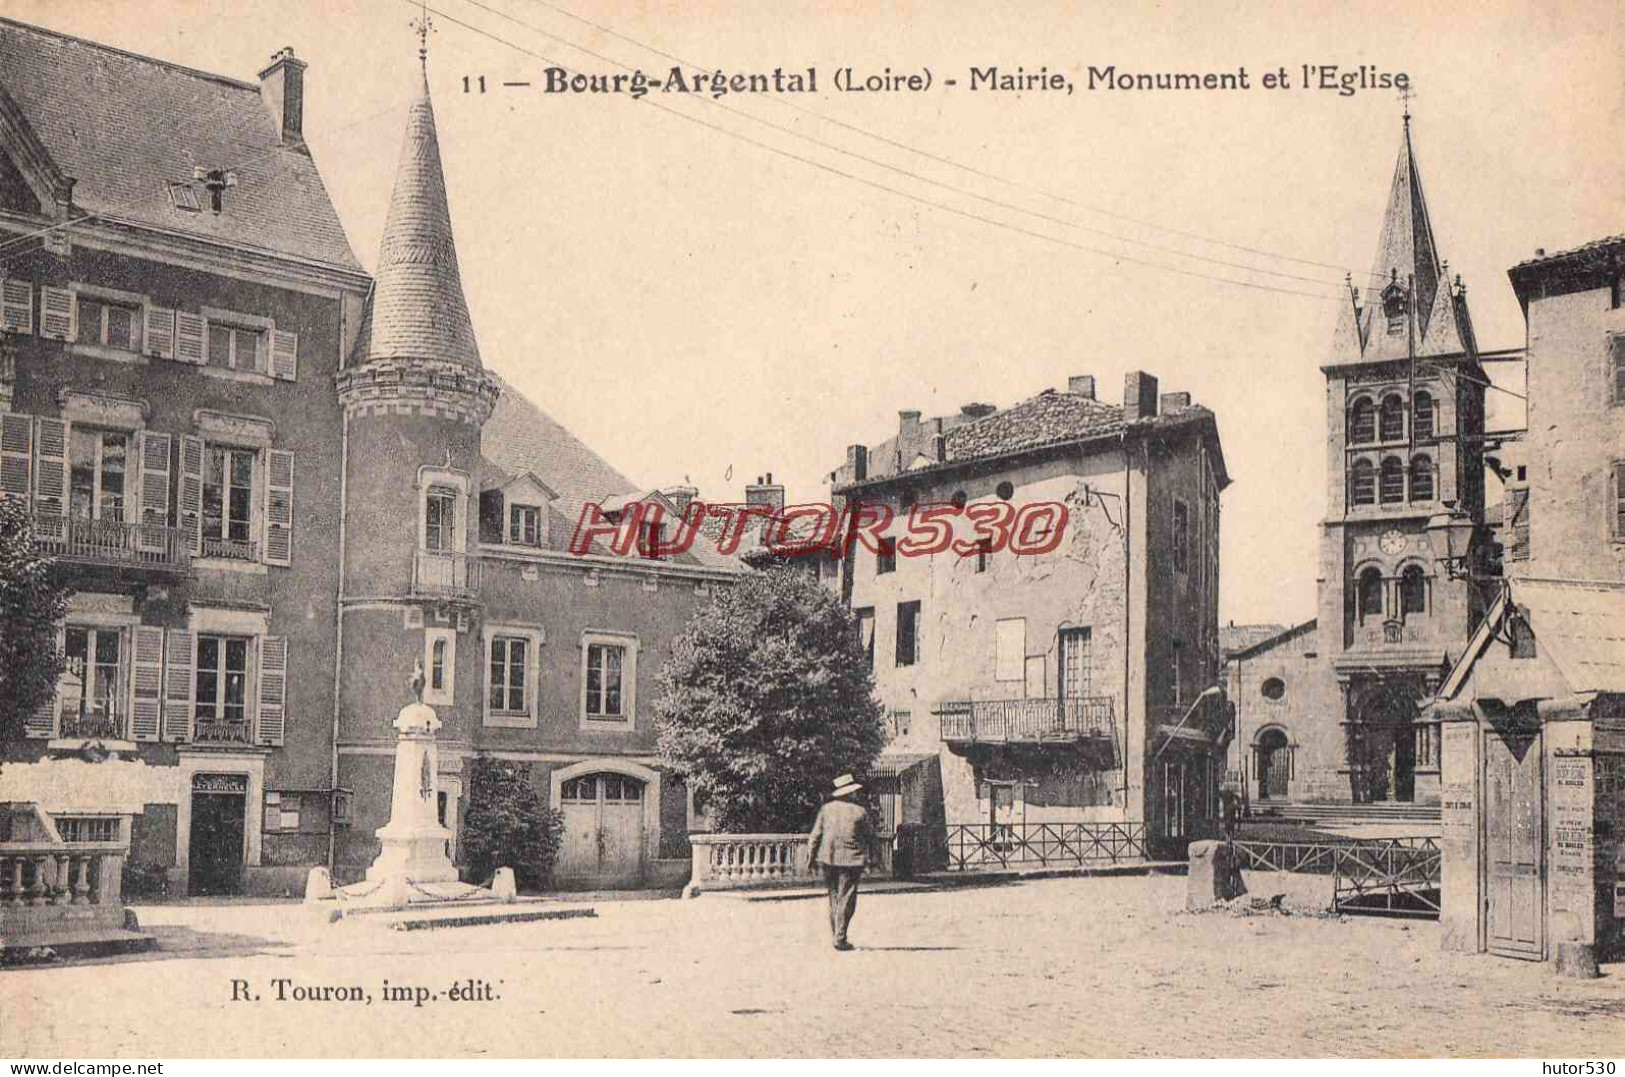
1100, 967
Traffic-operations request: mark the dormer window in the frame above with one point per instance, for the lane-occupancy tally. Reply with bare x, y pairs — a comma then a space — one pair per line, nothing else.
1393, 307
524, 525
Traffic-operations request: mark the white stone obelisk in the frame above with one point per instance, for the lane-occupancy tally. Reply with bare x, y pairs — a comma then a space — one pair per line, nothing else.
414, 842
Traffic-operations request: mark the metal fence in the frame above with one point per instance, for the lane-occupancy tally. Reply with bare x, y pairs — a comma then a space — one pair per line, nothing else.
1399, 876
973, 846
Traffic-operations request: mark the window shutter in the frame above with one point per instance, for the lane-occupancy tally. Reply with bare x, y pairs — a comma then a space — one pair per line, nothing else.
1616, 350
179, 684
51, 467
273, 687
160, 332
42, 723
17, 305
16, 447
1519, 504
190, 509
59, 314
279, 507
1619, 500
190, 331
147, 682
153, 518
284, 354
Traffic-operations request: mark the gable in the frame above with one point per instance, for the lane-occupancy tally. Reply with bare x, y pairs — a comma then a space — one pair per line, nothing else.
15, 193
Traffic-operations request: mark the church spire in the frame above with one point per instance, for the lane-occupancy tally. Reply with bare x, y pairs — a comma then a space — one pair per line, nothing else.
1407, 261
418, 310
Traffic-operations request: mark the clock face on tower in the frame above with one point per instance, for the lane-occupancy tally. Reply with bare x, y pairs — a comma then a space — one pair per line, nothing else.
1392, 542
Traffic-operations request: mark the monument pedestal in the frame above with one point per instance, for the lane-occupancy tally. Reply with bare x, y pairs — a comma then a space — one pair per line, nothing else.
412, 869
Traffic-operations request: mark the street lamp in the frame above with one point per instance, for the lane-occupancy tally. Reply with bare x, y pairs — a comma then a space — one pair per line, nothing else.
1454, 530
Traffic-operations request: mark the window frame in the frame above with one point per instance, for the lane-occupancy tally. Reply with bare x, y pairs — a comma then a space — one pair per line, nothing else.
1362, 408
234, 328
256, 483
913, 608
865, 615
118, 699
446, 693
1384, 474
1361, 613
628, 642
1419, 592
1362, 471
98, 472
1396, 413
886, 556
521, 516
531, 638
250, 702
1422, 464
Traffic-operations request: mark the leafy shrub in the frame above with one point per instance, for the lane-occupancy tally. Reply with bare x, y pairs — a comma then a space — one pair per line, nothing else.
508, 825
144, 880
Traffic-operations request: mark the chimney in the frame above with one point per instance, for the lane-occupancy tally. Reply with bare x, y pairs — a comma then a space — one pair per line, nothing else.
857, 463
1082, 384
906, 420
680, 497
977, 411
1139, 396
764, 492
282, 88
1170, 401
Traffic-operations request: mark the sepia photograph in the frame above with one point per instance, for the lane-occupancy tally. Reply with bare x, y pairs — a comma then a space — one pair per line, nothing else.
678, 529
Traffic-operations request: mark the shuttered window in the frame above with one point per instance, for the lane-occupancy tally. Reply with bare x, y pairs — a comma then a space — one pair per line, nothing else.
1362, 483
1392, 486
160, 332
147, 687
190, 330
1619, 500
51, 467
284, 355
1616, 360
1518, 506
178, 687
17, 305
1362, 422
273, 691
1421, 479
189, 509
279, 507
16, 453
58, 314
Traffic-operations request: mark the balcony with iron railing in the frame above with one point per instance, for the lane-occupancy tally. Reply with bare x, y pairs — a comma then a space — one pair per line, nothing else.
445, 574
1036, 721
226, 549
145, 547
221, 729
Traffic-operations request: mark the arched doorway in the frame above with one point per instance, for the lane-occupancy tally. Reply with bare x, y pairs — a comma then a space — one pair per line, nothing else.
1274, 763
1382, 745
604, 826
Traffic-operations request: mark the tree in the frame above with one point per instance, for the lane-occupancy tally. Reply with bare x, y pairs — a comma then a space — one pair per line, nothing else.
767, 698
32, 603
508, 825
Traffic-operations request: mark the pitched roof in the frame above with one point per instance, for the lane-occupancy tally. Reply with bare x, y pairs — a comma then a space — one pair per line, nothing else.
520, 437
1596, 249
417, 309
1052, 418
1407, 255
126, 126
1579, 630
1234, 638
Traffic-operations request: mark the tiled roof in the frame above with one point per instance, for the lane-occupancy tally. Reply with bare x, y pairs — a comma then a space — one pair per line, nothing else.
126, 126
417, 309
1596, 248
521, 437
1582, 625
1053, 417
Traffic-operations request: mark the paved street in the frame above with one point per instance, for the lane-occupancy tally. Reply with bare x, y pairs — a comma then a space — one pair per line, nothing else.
1098, 967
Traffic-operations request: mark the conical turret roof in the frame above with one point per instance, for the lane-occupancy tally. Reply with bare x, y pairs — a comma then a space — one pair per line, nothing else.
417, 309
1407, 255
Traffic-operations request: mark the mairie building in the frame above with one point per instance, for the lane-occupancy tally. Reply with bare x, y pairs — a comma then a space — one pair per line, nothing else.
279, 485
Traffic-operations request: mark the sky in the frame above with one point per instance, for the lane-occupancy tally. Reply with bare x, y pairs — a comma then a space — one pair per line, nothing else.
712, 289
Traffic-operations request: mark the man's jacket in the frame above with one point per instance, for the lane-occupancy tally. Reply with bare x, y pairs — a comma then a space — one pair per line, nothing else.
842, 835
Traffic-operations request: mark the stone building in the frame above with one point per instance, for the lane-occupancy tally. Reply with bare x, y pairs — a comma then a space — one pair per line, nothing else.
1405, 439
1533, 714
280, 485
1067, 684
179, 294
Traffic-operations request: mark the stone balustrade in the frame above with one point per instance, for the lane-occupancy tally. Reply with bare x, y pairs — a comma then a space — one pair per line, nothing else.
56, 892
760, 861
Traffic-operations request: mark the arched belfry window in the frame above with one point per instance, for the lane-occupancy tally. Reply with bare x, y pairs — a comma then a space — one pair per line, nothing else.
1413, 594
1362, 483
1422, 415
1368, 594
1392, 485
1362, 422
1391, 419
1421, 478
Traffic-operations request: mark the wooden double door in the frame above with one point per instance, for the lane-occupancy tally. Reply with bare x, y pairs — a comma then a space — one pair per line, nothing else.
1514, 844
603, 830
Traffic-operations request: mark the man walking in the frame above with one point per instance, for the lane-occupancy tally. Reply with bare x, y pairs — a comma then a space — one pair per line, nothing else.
839, 842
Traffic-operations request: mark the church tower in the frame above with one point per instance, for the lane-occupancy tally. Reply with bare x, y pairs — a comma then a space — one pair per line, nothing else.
414, 396
1405, 425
